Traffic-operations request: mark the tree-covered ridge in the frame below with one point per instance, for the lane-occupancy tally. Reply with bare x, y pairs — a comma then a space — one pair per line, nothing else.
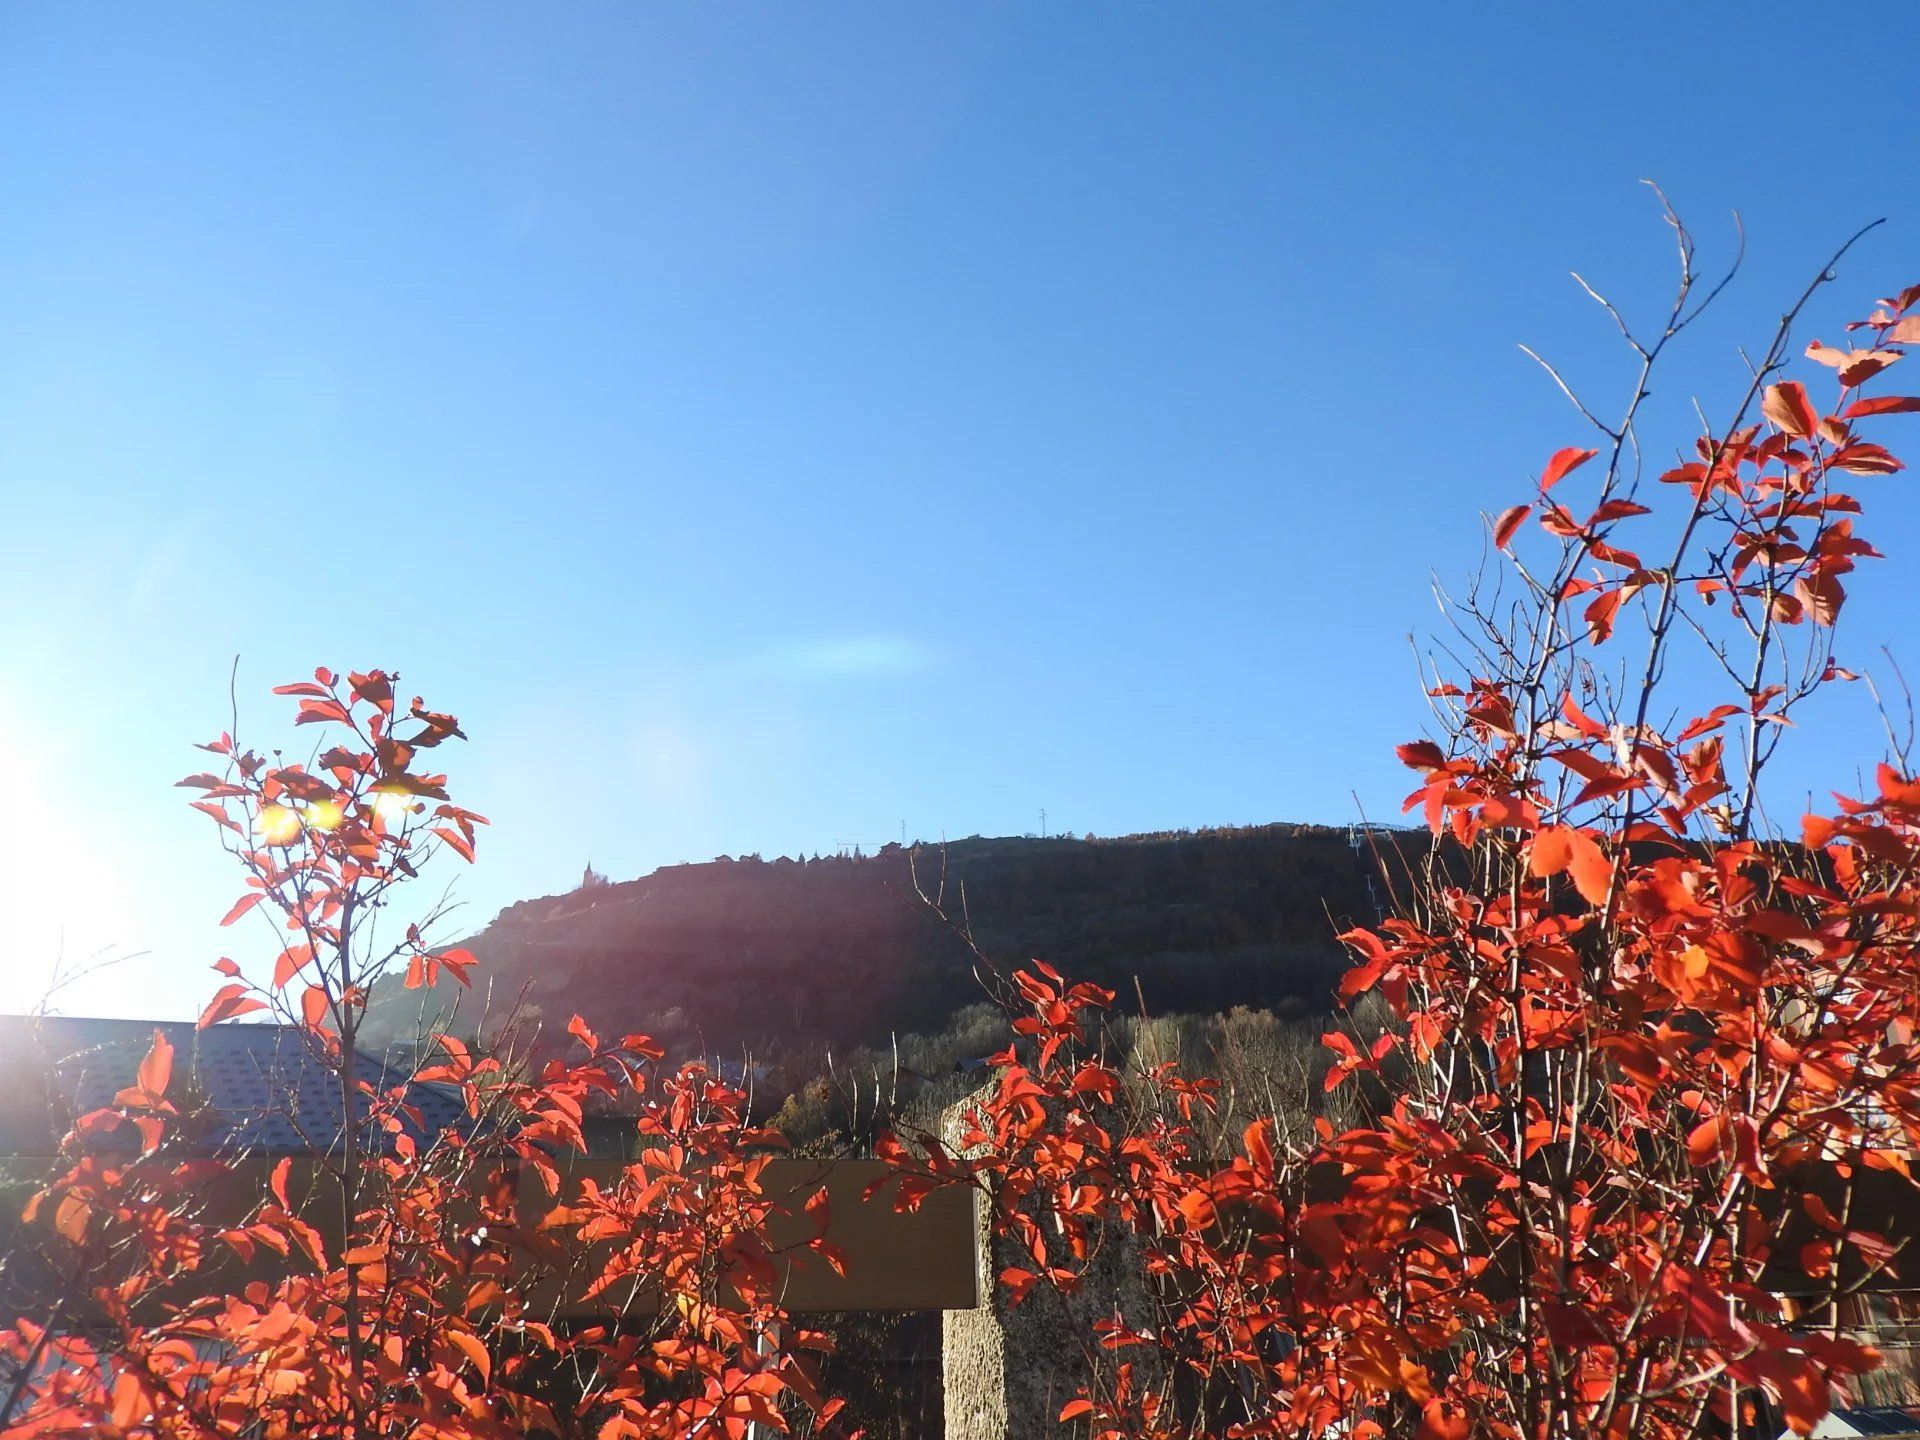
848, 950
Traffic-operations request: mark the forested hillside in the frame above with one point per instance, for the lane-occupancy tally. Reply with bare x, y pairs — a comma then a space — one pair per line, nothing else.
774, 956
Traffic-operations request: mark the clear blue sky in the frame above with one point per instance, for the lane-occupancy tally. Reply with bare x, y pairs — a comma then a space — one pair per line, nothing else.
765, 425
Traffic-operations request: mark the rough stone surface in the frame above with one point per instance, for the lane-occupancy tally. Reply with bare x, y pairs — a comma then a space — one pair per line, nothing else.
1008, 1369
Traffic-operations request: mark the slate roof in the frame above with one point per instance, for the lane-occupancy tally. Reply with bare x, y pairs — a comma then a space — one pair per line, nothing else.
264, 1090
1882, 1420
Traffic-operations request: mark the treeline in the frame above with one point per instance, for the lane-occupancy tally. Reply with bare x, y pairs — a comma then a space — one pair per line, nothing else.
788, 959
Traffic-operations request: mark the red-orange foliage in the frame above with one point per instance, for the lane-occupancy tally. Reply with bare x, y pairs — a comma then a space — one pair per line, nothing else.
1648, 1092
425, 1317
1648, 1074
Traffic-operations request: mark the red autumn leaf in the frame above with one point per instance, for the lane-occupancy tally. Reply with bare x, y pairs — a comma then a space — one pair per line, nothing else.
231, 1000
70, 1218
462, 846
1196, 1208
458, 962
475, 1350
156, 1071
1551, 851
1822, 595
1444, 1420
1421, 755
131, 1403
1558, 848
242, 905
1863, 365
1882, 405
279, 1182
819, 1208
1590, 868
1259, 1142
218, 812
1591, 728
1504, 812
1616, 510
292, 961
313, 1006
1600, 614
1014, 1280
1710, 1140
1788, 407
1861, 458
1510, 521
1710, 721
318, 712
1563, 464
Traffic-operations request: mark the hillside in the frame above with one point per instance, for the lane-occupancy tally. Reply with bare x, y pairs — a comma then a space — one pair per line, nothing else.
781, 955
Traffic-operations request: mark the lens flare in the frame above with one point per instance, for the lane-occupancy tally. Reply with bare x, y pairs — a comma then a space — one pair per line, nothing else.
279, 824
392, 805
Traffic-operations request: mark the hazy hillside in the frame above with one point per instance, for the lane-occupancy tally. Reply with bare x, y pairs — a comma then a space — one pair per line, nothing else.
782, 955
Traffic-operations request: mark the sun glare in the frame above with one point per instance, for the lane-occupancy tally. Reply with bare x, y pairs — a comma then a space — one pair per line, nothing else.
67, 903
279, 824
392, 805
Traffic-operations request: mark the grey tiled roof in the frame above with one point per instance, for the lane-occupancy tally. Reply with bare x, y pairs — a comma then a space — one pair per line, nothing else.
257, 1087
1881, 1420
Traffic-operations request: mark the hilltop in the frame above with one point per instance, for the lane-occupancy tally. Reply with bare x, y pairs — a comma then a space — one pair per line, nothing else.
785, 954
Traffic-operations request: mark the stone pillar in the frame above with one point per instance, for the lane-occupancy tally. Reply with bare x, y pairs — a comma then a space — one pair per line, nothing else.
1009, 1368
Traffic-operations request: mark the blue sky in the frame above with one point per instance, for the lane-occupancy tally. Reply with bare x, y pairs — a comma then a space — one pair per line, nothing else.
769, 425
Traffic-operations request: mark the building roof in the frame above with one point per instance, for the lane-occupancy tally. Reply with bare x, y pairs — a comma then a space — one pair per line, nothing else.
258, 1088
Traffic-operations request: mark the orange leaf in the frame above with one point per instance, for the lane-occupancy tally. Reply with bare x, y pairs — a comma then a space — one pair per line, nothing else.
1509, 812
232, 1000
1197, 1208
70, 1218
1563, 847
474, 1350
157, 1069
1592, 871
1551, 851
130, 1402
461, 845
242, 905
313, 1006
1259, 1138
458, 962
292, 961
1787, 406
1444, 1420
1710, 1140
